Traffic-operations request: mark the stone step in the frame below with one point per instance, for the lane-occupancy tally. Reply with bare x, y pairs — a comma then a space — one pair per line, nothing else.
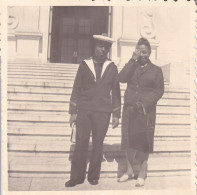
42, 69
117, 154
66, 99
68, 91
39, 82
63, 129
18, 109
38, 116
58, 125
39, 133
43, 65
13, 68
41, 78
66, 175
110, 164
69, 83
63, 144
66, 131
41, 74
23, 129
62, 107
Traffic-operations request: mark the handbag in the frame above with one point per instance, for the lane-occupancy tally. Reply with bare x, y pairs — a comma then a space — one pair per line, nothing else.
73, 133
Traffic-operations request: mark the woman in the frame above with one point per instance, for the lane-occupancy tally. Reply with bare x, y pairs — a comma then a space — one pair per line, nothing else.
145, 86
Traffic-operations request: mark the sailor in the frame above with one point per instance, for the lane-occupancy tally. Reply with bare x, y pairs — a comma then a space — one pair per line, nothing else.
95, 97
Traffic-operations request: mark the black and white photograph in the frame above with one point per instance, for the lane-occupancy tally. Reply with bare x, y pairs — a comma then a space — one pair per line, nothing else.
99, 98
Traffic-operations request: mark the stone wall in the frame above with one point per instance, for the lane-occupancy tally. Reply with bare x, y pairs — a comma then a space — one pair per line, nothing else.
28, 33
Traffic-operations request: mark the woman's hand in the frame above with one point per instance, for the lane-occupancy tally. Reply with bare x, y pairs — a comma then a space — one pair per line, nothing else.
138, 108
136, 54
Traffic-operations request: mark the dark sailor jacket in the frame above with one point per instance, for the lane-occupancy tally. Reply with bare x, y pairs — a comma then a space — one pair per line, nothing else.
100, 96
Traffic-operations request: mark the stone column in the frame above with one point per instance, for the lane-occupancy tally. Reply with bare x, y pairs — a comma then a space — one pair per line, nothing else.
116, 29
44, 28
13, 22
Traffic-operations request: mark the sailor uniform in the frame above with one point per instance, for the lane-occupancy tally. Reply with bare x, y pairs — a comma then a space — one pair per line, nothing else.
95, 95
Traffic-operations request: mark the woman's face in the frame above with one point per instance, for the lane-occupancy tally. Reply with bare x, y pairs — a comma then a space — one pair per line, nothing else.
144, 54
101, 51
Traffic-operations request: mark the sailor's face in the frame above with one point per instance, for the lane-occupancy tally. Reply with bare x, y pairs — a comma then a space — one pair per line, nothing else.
101, 50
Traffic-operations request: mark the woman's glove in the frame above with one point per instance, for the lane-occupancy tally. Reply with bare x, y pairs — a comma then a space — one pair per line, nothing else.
135, 108
136, 53
138, 108
73, 118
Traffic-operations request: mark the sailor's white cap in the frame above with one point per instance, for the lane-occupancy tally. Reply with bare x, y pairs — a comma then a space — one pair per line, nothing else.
104, 38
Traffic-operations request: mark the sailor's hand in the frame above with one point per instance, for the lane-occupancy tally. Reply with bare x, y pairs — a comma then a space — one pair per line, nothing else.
73, 118
115, 122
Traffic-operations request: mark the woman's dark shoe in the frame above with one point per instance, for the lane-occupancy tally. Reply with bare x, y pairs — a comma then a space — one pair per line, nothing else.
72, 183
93, 181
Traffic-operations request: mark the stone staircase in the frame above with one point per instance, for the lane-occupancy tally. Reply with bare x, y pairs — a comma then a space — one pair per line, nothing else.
39, 133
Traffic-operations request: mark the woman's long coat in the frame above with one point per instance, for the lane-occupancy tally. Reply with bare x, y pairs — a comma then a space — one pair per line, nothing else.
144, 85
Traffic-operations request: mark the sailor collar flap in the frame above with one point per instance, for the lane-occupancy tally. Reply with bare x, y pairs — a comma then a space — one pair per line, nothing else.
90, 64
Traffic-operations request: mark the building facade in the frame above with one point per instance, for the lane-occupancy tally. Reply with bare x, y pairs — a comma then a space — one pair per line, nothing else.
64, 35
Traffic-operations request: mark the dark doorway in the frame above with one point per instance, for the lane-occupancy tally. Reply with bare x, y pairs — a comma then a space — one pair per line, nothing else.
72, 30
